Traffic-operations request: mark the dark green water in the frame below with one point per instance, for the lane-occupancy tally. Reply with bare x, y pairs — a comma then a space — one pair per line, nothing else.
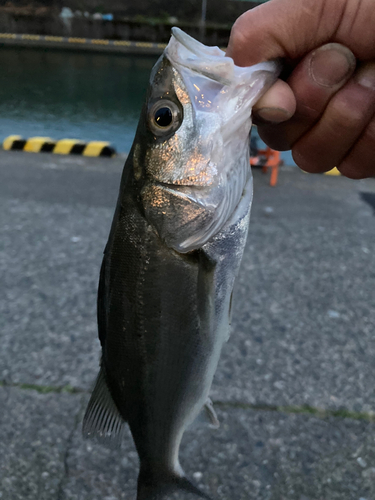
72, 95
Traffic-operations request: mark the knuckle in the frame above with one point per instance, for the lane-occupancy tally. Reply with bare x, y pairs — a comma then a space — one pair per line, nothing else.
352, 108
360, 163
238, 32
309, 112
349, 117
305, 162
369, 135
275, 136
351, 170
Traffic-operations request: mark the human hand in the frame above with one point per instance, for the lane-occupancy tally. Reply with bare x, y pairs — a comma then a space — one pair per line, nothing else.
324, 111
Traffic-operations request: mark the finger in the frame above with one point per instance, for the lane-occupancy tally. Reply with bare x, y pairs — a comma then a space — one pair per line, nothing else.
343, 122
277, 105
314, 82
360, 162
291, 28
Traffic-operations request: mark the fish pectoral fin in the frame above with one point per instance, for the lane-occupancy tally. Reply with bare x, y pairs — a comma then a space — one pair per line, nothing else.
211, 414
102, 420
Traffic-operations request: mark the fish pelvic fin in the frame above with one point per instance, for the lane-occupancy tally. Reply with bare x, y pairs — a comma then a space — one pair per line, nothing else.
211, 414
167, 486
102, 420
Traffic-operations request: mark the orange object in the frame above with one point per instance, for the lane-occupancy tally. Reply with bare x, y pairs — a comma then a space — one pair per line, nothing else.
268, 158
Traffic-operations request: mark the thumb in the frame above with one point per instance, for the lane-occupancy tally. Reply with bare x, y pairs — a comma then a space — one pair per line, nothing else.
283, 28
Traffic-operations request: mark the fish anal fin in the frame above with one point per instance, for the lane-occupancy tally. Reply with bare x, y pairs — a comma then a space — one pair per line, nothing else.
102, 420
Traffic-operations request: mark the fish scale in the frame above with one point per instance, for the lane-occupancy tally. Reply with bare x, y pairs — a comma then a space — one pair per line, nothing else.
173, 253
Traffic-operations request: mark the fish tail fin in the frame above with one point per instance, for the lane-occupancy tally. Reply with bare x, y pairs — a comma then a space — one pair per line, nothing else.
167, 486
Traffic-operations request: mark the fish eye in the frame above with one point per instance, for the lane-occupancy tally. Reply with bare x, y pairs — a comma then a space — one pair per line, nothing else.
164, 117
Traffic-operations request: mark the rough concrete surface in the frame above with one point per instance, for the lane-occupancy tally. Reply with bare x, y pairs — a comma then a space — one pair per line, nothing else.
303, 324
35, 436
300, 358
255, 455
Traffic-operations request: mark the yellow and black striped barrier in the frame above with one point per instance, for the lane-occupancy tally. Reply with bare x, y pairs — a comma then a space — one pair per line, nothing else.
62, 147
83, 43
334, 171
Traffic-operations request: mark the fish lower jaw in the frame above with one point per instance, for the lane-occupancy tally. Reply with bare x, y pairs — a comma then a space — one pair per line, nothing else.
184, 185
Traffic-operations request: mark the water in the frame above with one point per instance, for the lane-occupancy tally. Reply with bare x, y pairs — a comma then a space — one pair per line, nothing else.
73, 95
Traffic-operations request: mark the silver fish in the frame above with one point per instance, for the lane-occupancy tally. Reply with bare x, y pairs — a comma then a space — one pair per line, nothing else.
173, 252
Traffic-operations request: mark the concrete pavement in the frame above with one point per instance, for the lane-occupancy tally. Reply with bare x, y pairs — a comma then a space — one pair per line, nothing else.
295, 385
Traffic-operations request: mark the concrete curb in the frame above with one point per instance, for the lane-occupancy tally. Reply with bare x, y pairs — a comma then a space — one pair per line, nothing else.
89, 44
63, 146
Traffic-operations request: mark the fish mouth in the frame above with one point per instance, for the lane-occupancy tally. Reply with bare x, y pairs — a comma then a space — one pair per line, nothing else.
181, 188
186, 52
194, 46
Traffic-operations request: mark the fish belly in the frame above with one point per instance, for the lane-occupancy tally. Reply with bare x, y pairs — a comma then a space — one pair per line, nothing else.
166, 318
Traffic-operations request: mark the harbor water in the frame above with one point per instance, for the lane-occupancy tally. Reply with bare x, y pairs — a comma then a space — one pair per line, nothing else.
63, 94
84, 96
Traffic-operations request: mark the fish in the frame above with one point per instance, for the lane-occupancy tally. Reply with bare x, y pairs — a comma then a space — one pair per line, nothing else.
173, 252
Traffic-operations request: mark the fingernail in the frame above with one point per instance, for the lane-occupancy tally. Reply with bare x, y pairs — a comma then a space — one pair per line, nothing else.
331, 64
365, 75
272, 115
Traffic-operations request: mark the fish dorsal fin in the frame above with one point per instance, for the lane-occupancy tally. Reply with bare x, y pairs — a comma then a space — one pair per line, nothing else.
102, 420
211, 413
